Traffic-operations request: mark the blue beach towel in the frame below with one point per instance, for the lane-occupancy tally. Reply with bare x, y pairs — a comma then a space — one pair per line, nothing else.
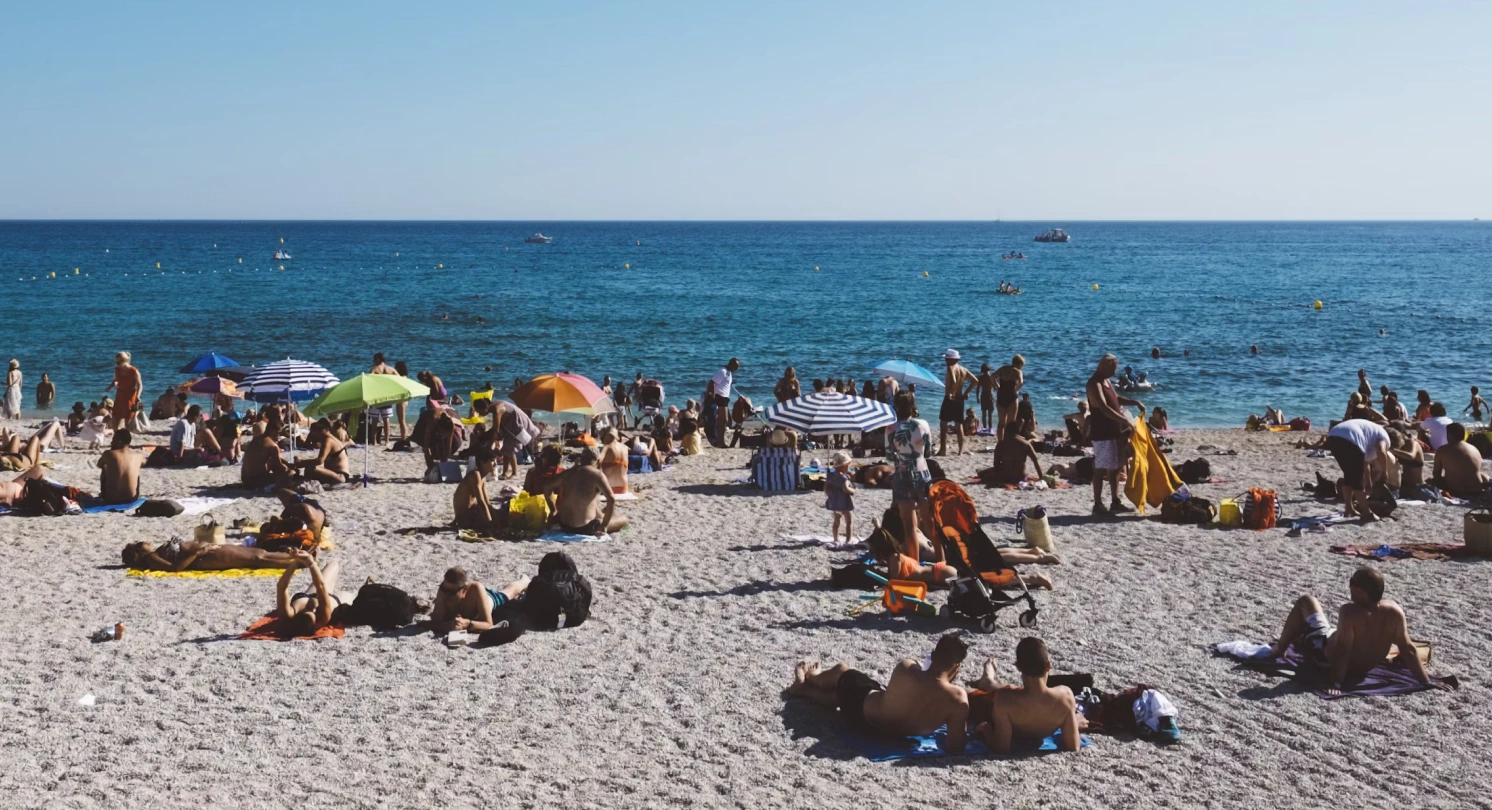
113, 507
558, 536
885, 749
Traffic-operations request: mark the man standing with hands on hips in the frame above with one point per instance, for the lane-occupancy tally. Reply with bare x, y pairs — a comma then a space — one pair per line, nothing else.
958, 383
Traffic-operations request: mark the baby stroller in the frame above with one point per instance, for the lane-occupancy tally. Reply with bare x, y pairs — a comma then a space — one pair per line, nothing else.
650, 398
981, 589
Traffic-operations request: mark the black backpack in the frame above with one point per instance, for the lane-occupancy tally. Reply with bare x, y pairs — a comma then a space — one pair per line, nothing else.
1187, 510
382, 607
558, 589
1196, 471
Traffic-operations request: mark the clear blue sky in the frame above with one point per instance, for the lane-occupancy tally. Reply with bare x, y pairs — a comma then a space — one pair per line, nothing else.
759, 110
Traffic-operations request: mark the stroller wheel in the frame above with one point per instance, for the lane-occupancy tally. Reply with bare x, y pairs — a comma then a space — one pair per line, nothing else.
944, 612
987, 624
1028, 619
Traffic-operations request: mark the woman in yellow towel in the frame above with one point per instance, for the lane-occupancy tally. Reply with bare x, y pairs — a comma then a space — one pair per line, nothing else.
190, 555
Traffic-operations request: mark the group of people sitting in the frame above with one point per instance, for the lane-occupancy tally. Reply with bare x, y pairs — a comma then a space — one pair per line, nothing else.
582, 499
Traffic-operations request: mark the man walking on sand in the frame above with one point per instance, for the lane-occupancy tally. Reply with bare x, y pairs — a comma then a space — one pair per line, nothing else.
1109, 428
958, 382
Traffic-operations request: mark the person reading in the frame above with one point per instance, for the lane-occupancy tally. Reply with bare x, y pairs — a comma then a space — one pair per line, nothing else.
462, 603
1367, 627
914, 702
1031, 711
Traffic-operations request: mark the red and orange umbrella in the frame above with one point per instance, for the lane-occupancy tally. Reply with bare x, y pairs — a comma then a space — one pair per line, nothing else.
562, 393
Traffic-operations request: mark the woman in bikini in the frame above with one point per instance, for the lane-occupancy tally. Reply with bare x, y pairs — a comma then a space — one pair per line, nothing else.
614, 460
190, 555
305, 612
1008, 382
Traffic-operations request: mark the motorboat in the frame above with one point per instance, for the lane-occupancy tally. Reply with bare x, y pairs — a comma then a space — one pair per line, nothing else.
1054, 235
1012, 255
538, 239
282, 255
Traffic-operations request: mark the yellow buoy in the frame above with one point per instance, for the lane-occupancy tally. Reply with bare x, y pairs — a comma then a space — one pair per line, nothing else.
815, 268
52, 274
440, 267
75, 271
627, 266
1095, 286
240, 260
282, 240
282, 267
924, 274
1317, 305
157, 265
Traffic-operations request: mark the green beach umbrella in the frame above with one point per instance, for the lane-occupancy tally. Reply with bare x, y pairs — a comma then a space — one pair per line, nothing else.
362, 392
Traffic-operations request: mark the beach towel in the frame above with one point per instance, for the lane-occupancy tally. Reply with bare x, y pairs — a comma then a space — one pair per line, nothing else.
639, 464
194, 506
1151, 478
1404, 551
560, 536
880, 748
112, 507
805, 539
266, 629
1387, 679
625, 496
227, 573
1319, 523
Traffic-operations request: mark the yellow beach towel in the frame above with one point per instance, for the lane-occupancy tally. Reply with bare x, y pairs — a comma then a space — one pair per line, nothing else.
1151, 478
227, 573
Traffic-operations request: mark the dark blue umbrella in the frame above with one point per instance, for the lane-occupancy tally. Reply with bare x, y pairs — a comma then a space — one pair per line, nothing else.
212, 361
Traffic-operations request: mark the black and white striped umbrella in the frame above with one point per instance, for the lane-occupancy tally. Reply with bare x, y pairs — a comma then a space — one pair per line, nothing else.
831, 412
287, 381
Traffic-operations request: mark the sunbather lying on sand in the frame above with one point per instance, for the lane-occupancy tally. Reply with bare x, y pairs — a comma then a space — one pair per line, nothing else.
1366, 628
16, 455
940, 574
190, 555
304, 612
916, 701
465, 604
11, 491
1032, 710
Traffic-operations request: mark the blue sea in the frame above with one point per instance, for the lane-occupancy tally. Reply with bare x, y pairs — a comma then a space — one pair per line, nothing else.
675, 300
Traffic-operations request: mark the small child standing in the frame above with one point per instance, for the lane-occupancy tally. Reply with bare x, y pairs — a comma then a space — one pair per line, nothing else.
1477, 405
841, 496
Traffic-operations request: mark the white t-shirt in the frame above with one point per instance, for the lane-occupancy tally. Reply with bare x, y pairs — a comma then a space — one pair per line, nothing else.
183, 436
1436, 426
1363, 434
723, 380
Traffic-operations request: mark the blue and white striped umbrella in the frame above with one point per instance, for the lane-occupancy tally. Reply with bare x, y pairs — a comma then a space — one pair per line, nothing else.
831, 412
287, 381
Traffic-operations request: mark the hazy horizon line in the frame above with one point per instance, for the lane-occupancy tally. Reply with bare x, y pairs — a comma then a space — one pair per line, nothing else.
746, 221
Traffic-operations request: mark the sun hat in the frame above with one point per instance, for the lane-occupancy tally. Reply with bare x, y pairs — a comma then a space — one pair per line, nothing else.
951, 354
839, 457
780, 437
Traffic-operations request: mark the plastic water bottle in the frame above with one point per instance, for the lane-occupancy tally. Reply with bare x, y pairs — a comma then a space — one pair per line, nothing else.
112, 632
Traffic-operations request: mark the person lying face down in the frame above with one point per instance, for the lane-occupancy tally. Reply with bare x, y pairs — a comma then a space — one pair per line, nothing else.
462, 603
1032, 710
914, 702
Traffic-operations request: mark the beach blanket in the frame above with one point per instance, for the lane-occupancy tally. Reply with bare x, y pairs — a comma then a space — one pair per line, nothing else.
265, 629
112, 507
559, 536
201, 505
227, 573
879, 748
1385, 680
1404, 551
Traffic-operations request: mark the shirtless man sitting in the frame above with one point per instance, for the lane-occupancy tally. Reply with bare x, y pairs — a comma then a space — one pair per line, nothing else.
119, 470
1458, 465
472, 505
1366, 628
579, 487
915, 702
262, 464
462, 603
1011, 454
1033, 710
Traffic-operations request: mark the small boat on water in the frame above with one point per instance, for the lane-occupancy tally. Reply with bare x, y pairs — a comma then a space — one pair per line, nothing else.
1054, 235
282, 255
1013, 256
538, 239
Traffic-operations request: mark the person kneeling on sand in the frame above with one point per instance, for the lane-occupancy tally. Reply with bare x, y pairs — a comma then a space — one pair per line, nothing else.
190, 555
465, 604
1032, 710
1366, 628
938, 574
472, 505
579, 487
915, 702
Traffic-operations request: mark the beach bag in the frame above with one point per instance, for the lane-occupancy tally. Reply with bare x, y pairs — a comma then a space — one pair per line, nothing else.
1185, 509
855, 575
1477, 532
1229, 514
1196, 471
208, 531
382, 607
40, 497
1261, 509
159, 507
528, 512
284, 541
1300, 424
1033, 524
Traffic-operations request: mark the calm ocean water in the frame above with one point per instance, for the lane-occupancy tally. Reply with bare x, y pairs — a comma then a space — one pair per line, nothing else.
692, 295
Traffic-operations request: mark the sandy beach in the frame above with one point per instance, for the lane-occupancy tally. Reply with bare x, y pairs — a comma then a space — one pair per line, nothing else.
670, 695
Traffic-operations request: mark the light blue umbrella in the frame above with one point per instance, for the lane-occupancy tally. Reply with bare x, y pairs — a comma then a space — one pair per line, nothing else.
905, 371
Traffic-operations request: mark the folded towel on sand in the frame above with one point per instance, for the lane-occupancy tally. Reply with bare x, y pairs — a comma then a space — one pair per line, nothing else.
1385, 680
200, 505
1418, 551
878, 748
227, 573
267, 629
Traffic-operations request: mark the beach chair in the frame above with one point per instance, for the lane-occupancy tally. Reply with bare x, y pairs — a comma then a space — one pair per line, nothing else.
775, 469
985, 580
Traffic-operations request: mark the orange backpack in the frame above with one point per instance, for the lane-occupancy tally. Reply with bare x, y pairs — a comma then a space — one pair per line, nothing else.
1261, 509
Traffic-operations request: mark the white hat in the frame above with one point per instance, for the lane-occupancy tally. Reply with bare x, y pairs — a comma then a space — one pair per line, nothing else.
951, 354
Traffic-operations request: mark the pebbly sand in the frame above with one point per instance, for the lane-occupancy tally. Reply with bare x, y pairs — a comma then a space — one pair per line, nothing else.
671, 694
